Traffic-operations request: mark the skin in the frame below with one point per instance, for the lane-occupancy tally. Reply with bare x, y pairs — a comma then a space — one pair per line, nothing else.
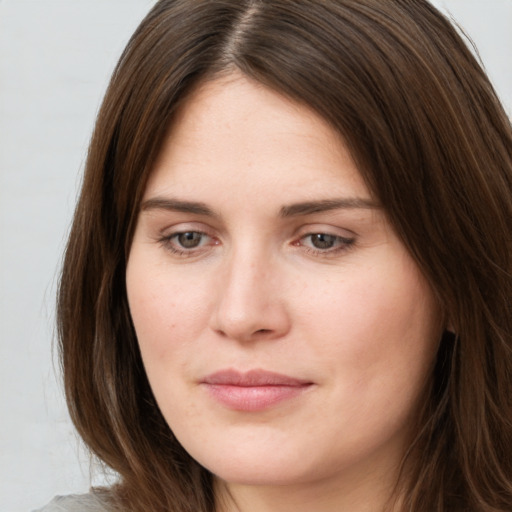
349, 312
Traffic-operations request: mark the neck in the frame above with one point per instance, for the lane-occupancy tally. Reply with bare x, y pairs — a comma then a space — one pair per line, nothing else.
366, 493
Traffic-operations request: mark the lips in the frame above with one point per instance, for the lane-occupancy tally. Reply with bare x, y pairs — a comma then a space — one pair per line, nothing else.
252, 391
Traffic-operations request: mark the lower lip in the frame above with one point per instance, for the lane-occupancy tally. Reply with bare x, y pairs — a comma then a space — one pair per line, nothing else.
253, 398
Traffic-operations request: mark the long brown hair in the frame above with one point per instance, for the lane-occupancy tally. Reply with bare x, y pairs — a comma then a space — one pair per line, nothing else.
433, 145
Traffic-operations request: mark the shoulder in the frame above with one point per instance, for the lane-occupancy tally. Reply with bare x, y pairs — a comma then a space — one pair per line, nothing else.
76, 503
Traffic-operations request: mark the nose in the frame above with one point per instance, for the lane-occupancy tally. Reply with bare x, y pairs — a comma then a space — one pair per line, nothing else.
251, 301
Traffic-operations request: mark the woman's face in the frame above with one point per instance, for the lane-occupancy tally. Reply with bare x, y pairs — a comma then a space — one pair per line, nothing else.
286, 332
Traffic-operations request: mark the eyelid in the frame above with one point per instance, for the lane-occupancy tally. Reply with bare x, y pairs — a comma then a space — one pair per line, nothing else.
184, 227
344, 240
327, 229
167, 235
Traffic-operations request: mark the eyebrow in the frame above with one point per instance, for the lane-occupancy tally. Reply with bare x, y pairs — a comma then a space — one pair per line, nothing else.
177, 205
325, 205
292, 210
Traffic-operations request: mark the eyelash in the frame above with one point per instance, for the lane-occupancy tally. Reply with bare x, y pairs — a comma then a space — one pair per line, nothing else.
167, 242
342, 244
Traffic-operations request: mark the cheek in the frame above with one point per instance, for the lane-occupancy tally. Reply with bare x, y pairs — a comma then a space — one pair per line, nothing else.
168, 311
376, 336
376, 325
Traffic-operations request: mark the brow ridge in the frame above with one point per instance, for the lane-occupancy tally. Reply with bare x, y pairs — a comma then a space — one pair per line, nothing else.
292, 210
324, 205
177, 205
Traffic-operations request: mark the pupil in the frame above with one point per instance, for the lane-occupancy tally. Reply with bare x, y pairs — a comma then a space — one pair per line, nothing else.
323, 241
189, 240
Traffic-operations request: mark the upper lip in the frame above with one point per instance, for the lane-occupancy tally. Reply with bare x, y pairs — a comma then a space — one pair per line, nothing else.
252, 378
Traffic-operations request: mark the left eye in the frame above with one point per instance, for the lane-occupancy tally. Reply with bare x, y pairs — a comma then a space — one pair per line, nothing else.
325, 242
322, 241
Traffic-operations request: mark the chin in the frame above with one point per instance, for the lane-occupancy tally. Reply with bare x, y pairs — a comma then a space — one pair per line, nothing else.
257, 466
269, 475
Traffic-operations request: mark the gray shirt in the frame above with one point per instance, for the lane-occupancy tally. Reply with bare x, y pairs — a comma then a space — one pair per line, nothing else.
75, 503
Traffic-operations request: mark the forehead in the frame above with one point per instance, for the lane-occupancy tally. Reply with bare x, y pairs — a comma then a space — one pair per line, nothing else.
235, 134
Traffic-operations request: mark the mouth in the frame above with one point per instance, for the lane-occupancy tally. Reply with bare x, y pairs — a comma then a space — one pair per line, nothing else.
253, 391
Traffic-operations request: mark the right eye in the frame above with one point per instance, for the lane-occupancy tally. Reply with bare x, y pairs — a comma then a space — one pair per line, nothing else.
185, 243
189, 239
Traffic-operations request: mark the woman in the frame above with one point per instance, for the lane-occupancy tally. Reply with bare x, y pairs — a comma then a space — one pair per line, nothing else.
288, 281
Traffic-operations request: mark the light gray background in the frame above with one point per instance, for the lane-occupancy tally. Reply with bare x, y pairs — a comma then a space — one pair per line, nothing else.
55, 60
